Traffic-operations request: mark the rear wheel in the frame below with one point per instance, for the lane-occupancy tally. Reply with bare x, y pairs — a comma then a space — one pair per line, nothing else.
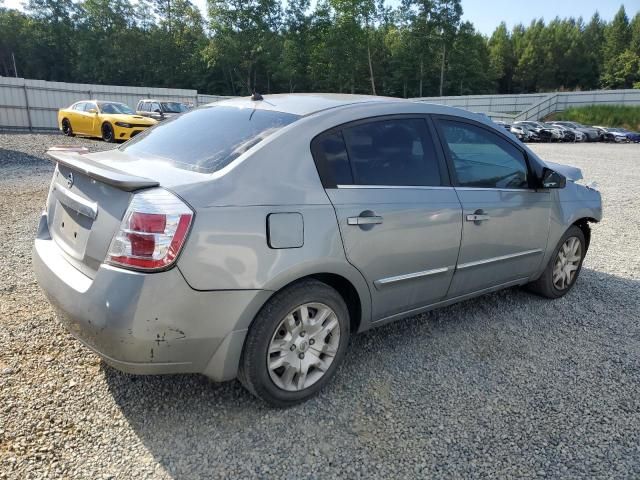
66, 128
107, 133
295, 344
564, 266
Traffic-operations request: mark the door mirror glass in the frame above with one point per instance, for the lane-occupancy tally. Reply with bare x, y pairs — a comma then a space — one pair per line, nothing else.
553, 179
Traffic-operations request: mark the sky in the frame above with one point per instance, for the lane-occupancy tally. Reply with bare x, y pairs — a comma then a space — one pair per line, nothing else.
486, 15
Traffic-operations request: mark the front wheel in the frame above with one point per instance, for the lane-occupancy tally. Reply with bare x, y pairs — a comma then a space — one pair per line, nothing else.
564, 266
295, 344
107, 133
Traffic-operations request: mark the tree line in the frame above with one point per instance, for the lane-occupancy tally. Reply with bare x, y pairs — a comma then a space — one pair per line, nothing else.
417, 48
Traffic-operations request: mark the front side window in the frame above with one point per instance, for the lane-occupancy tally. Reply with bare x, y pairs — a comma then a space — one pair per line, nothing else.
173, 107
208, 138
482, 159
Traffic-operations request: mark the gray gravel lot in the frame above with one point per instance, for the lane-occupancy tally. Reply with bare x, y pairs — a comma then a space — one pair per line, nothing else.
509, 385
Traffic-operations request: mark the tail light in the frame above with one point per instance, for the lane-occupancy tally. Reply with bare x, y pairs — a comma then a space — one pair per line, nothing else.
152, 233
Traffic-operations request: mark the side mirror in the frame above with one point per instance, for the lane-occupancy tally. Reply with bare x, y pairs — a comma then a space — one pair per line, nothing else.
157, 110
92, 110
553, 179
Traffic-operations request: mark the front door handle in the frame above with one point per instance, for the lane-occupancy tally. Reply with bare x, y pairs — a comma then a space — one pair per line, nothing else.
372, 220
477, 217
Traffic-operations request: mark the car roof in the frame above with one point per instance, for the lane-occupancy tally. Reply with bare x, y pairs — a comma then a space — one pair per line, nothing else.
304, 103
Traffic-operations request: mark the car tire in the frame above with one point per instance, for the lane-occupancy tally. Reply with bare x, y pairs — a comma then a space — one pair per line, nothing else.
66, 128
281, 362
563, 268
107, 133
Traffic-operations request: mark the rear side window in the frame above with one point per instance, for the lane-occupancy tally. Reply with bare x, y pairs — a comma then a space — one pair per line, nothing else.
79, 106
394, 152
208, 138
482, 159
331, 156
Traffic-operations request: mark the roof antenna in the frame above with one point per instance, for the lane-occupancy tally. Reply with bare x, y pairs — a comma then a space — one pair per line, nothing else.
256, 96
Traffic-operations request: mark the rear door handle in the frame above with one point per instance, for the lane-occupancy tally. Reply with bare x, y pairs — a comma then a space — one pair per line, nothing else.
373, 220
477, 218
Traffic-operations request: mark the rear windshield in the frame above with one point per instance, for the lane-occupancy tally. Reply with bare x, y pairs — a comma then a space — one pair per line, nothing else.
208, 138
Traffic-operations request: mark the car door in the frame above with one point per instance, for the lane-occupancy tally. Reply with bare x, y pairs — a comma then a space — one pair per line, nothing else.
76, 117
505, 219
93, 118
156, 111
399, 217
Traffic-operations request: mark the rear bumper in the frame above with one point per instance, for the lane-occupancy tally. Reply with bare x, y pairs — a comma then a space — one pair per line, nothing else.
147, 323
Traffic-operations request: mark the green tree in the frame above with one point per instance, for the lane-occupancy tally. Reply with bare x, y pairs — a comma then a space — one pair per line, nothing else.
502, 58
243, 32
617, 42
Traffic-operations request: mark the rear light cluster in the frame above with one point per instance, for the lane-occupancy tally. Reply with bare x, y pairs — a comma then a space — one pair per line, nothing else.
152, 233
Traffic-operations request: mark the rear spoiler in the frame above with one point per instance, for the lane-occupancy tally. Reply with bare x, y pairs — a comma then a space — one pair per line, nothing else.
73, 159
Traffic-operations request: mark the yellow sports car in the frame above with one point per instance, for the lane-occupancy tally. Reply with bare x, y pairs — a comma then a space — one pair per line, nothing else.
110, 121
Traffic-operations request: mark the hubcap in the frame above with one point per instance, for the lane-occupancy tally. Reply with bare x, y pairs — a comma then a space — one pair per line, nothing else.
303, 346
567, 262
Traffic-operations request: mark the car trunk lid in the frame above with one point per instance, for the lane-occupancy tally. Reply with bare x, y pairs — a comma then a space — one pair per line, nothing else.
86, 204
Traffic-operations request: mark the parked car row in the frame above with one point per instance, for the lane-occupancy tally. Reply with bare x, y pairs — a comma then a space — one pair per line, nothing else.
563, 131
114, 121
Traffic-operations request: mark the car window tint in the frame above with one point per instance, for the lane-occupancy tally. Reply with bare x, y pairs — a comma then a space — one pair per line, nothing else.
208, 138
330, 154
88, 106
79, 106
392, 152
483, 159
154, 107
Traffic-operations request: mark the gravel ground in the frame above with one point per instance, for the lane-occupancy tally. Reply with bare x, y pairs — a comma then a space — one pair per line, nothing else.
509, 385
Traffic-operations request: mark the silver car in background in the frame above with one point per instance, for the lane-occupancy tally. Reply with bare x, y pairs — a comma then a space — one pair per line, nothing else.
251, 238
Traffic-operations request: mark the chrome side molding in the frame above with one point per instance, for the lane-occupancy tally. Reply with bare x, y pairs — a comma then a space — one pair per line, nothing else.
409, 276
462, 266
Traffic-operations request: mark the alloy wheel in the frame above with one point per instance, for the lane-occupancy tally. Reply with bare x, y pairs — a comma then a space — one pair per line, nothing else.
567, 263
303, 346
107, 132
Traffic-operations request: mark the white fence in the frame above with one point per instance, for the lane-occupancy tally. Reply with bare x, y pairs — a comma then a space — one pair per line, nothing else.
536, 106
33, 104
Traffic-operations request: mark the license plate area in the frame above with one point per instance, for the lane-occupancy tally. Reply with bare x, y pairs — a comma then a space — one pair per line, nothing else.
71, 230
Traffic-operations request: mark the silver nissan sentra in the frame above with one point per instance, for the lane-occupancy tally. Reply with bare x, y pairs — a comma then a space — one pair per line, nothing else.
252, 237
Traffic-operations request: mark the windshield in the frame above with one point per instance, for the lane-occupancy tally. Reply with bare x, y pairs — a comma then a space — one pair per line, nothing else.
115, 108
173, 107
208, 138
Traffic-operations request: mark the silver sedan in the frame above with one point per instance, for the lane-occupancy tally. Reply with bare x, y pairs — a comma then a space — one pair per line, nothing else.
252, 237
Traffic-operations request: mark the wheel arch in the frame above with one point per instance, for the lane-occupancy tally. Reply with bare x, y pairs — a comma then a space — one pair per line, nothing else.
583, 224
225, 361
351, 287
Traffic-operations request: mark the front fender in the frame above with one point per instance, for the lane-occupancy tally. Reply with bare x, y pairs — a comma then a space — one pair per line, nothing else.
573, 203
